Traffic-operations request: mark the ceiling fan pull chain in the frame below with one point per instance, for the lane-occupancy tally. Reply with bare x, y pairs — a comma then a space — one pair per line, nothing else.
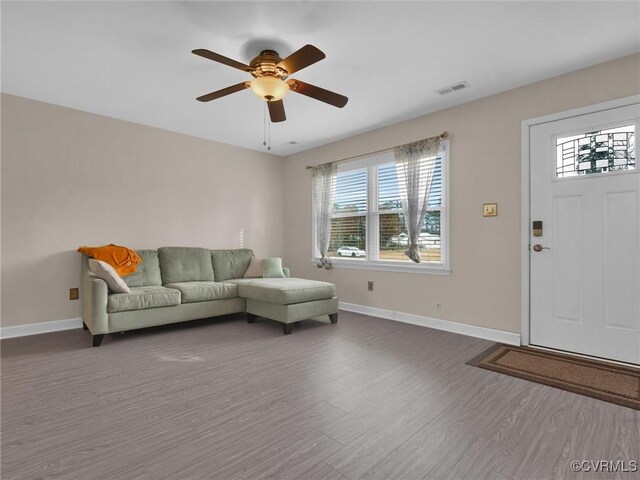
264, 126
269, 134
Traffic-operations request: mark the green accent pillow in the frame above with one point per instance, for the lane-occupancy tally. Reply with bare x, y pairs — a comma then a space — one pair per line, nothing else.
272, 268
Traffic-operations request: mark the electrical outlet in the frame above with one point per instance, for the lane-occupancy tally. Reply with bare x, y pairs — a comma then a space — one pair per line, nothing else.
370, 286
74, 294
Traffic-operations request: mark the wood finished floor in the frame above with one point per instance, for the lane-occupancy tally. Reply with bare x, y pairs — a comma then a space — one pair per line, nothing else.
222, 399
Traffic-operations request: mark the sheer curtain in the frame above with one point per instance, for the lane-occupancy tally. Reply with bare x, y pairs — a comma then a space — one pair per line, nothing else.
415, 163
324, 187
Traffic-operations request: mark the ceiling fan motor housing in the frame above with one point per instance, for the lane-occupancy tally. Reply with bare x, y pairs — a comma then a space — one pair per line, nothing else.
266, 63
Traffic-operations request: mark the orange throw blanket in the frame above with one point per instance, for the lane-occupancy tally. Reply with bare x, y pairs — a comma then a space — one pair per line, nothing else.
123, 259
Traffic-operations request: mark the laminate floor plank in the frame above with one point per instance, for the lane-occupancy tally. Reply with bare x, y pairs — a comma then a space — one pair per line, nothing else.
220, 399
228, 447
359, 456
363, 415
596, 431
286, 459
452, 429
538, 445
368, 413
319, 471
474, 463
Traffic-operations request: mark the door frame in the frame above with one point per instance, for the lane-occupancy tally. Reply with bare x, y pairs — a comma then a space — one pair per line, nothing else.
525, 278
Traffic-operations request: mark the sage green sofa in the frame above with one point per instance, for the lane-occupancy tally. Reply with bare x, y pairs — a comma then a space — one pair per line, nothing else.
177, 284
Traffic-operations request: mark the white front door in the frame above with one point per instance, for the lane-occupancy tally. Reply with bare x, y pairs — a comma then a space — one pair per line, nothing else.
585, 268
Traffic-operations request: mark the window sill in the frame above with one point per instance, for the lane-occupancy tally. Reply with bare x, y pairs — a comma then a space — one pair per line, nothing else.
389, 266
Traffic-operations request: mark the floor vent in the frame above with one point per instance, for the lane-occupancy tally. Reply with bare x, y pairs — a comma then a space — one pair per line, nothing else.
453, 88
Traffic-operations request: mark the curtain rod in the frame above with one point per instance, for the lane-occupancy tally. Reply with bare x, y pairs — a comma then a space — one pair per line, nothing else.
442, 135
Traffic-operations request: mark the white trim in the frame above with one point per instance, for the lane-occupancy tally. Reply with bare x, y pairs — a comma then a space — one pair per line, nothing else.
525, 245
42, 327
445, 209
576, 112
500, 336
525, 169
381, 266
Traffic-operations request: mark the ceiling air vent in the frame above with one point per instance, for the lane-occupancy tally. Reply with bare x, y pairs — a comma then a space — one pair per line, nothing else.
453, 88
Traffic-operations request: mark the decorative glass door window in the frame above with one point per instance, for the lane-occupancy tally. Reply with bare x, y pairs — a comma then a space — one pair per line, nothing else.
602, 151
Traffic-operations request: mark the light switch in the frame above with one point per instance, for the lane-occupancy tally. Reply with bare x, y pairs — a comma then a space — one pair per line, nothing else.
490, 210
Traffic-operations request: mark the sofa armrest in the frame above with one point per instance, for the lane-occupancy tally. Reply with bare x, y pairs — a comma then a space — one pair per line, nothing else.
287, 272
94, 304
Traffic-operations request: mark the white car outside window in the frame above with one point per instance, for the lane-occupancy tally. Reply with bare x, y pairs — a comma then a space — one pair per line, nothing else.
351, 252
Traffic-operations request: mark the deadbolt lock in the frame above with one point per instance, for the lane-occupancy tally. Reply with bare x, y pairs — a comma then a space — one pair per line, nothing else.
537, 228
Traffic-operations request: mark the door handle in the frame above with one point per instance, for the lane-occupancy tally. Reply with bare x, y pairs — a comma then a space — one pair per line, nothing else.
538, 248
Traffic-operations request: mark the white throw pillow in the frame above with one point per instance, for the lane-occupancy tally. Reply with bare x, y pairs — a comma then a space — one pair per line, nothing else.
255, 268
107, 273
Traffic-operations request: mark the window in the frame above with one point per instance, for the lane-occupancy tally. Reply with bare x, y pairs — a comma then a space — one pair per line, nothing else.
367, 223
349, 217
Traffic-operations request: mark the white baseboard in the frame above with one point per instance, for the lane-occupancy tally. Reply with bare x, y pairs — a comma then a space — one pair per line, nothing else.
43, 327
462, 328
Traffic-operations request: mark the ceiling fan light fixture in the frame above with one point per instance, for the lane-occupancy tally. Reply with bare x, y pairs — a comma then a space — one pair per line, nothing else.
270, 72
269, 88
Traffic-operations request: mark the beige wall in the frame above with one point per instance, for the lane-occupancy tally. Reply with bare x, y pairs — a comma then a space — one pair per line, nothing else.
72, 178
484, 286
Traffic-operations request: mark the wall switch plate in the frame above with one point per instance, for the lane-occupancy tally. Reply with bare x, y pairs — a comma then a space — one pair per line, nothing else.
74, 294
370, 286
490, 210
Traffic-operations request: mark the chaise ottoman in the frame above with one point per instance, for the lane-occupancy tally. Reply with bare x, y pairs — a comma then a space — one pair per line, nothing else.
288, 300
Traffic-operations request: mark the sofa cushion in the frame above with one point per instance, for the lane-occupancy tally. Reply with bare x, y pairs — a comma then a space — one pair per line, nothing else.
185, 264
148, 272
230, 263
286, 291
141, 298
203, 291
240, 281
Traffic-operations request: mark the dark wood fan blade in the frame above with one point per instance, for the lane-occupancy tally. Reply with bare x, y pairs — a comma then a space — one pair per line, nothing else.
276, 111
225, 91
318, 93
307, 55
216, 57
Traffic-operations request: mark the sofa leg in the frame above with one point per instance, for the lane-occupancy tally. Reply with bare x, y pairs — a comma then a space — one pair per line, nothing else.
84, 326
251, 317
333, 317
97, 340
287, 328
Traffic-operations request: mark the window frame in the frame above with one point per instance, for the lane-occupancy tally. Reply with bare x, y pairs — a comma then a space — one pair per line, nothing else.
371, 162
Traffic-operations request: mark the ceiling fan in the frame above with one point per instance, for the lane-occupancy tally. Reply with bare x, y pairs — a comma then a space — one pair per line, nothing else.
270, 81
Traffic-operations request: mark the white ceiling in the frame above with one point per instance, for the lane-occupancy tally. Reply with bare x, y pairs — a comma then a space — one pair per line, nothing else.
132, 60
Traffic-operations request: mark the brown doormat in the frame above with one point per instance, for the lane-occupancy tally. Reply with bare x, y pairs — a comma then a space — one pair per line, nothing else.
604, 381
